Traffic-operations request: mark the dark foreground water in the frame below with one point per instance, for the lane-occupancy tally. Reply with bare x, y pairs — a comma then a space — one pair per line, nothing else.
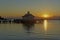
47, 30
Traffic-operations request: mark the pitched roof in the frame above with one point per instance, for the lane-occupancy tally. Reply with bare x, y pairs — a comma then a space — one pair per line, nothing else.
28, 14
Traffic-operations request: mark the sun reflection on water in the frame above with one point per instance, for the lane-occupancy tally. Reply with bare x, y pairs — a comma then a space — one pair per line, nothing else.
45, 25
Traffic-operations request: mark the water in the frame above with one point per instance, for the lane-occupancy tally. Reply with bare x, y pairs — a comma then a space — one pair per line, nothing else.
47, 30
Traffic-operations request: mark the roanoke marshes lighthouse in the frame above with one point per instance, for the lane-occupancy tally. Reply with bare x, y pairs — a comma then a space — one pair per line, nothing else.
28, 18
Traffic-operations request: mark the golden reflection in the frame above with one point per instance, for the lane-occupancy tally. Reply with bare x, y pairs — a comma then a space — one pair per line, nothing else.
45, 25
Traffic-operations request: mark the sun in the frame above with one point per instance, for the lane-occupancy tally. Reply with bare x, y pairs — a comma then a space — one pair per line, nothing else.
45, 15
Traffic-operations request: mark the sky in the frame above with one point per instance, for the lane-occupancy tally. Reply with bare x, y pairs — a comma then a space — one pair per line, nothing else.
36, 7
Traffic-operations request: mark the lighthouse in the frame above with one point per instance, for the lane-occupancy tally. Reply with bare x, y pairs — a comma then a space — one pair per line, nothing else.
28, 18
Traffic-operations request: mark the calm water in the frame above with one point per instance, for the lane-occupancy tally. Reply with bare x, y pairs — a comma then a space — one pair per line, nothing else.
47, 30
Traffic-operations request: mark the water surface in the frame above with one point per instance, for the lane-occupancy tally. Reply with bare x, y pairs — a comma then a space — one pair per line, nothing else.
47, 30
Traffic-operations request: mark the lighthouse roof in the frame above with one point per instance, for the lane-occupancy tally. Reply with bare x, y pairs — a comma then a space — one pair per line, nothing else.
28, 14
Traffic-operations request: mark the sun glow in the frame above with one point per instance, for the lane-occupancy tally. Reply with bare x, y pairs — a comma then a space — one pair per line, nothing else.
45, 16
